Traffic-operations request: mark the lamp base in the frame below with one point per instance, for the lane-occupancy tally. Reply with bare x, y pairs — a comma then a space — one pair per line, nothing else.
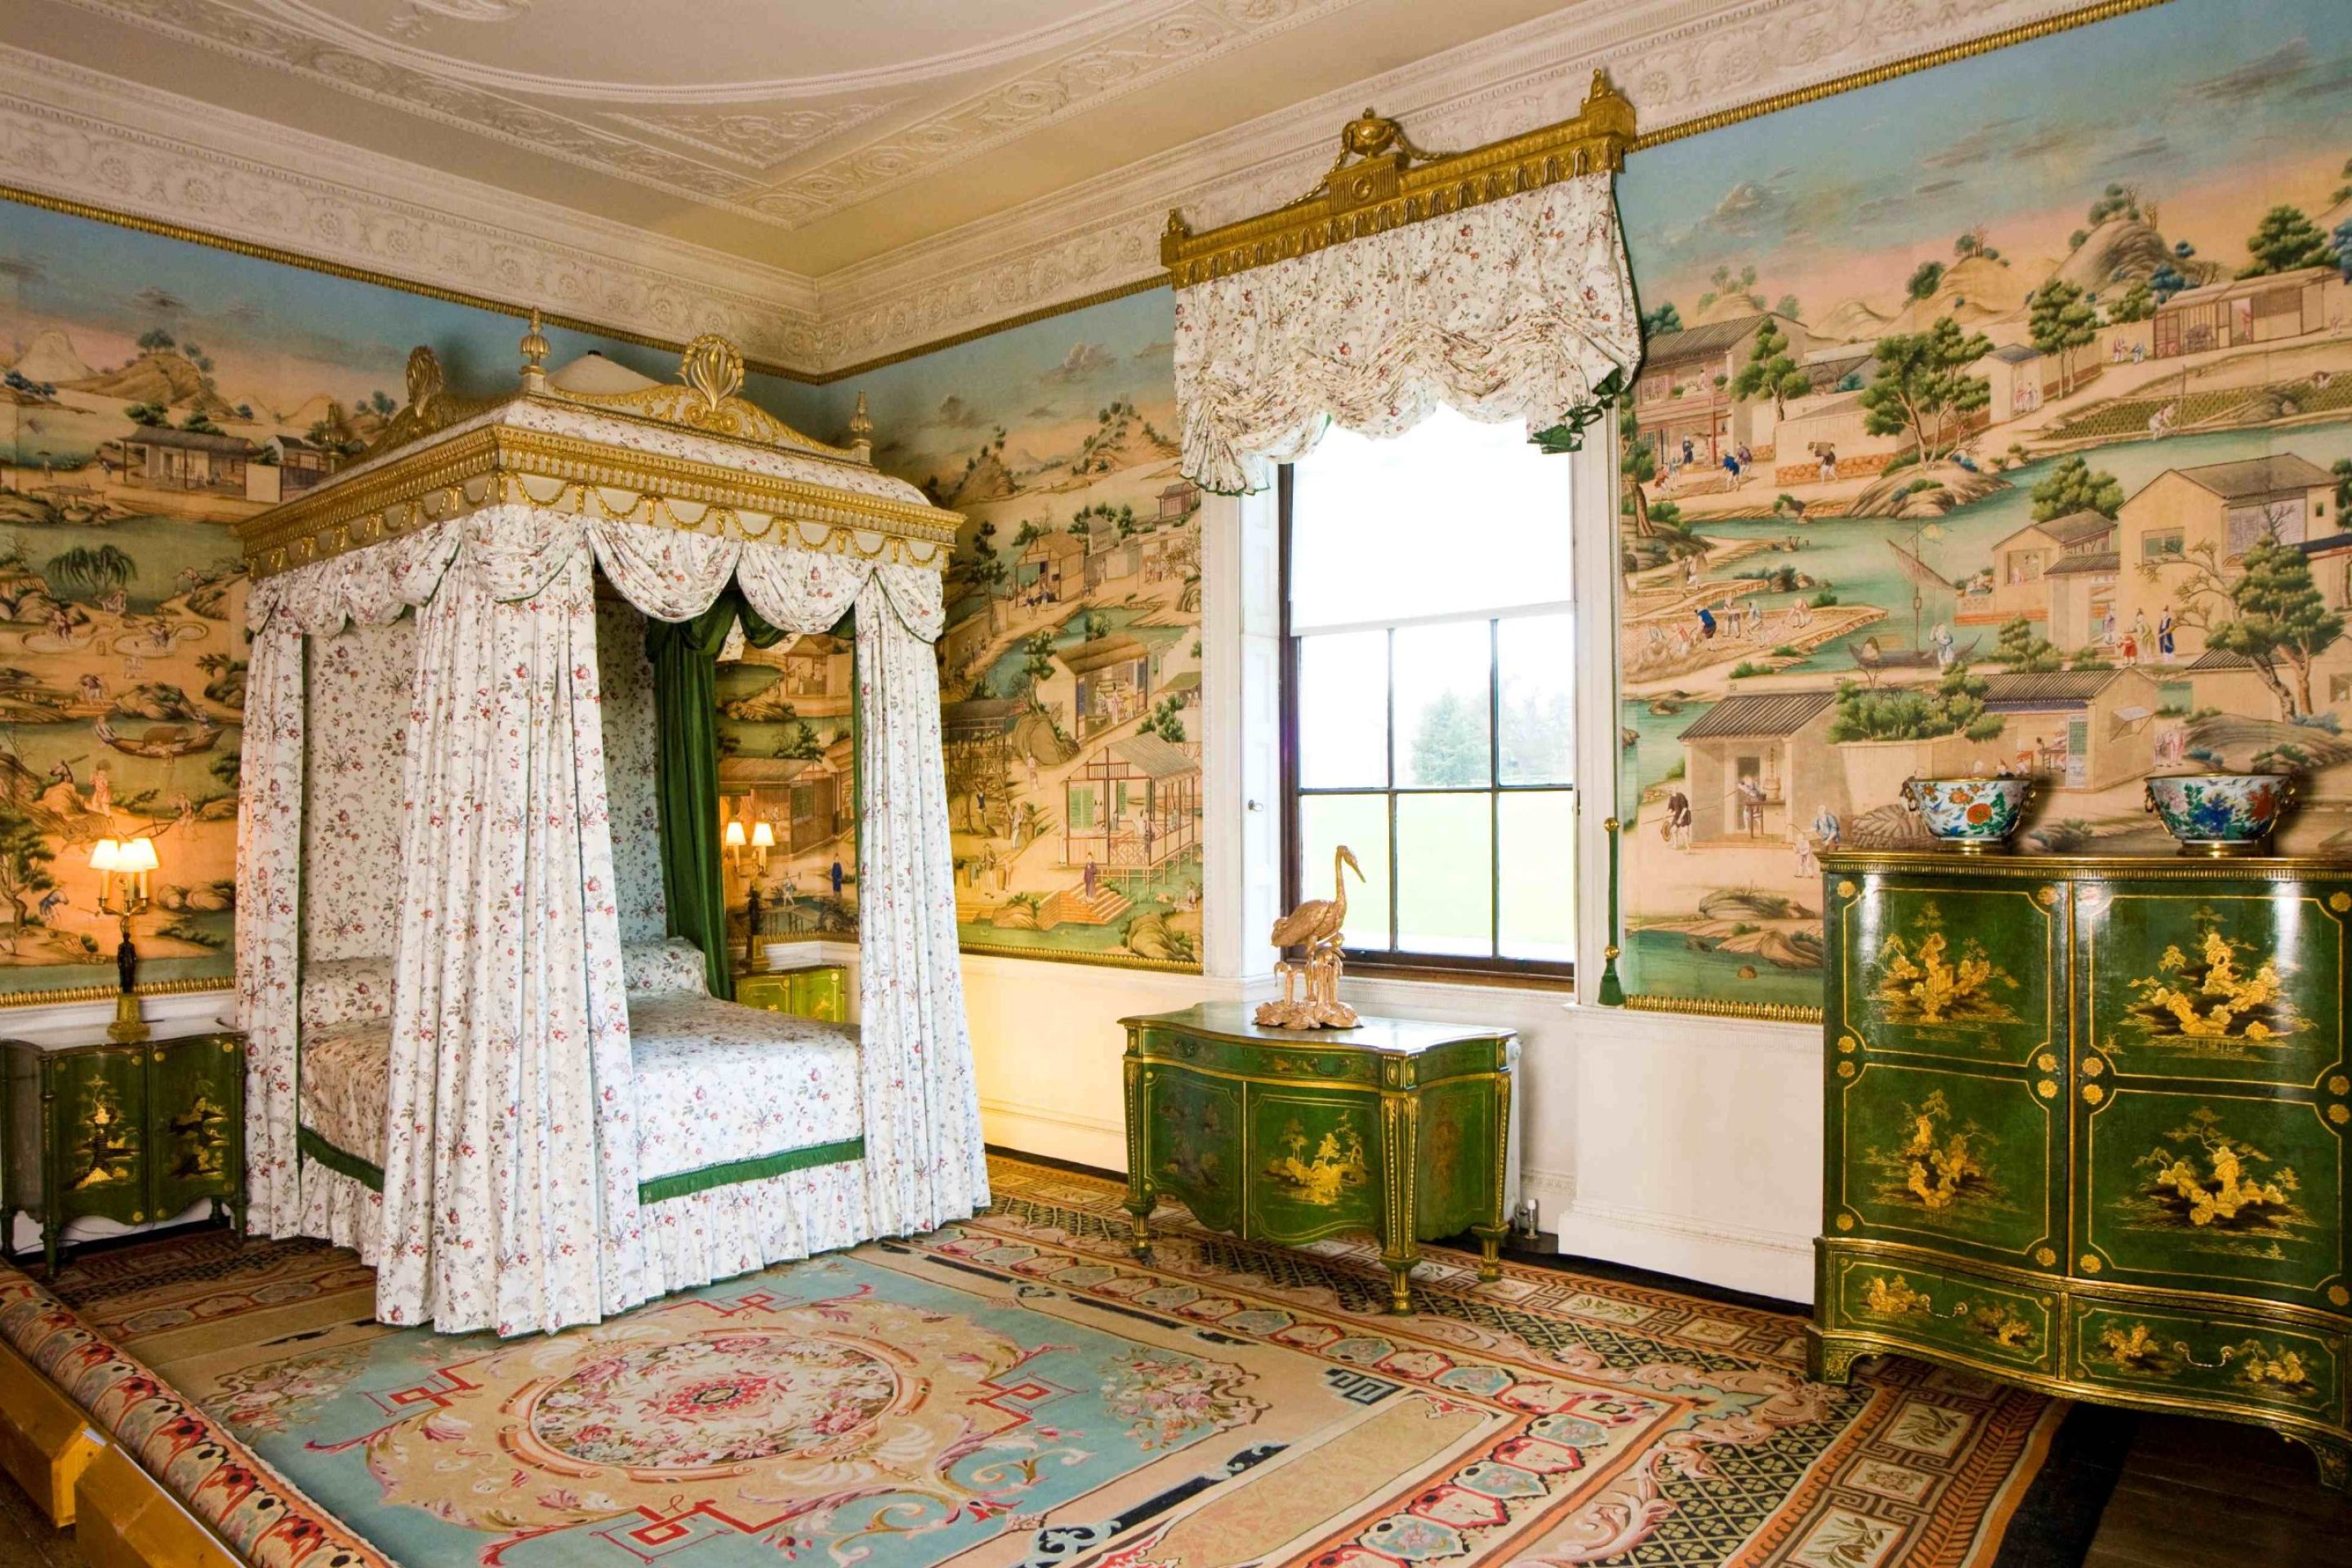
128, 1029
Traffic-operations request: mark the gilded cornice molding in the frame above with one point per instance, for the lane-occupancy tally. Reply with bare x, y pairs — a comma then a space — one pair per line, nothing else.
1392, 183
73, 136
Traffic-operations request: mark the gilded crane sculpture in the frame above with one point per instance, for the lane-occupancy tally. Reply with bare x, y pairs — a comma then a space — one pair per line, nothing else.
1314, 927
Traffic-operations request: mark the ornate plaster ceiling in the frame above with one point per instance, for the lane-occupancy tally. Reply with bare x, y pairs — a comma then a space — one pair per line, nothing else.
804, 135
828, 184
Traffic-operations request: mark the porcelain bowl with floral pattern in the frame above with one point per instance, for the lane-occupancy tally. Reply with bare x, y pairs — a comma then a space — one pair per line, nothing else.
2220, 814
1972, 814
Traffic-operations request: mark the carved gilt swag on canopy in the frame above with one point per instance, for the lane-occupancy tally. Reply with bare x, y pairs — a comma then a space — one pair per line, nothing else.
509, 1196
1494, 281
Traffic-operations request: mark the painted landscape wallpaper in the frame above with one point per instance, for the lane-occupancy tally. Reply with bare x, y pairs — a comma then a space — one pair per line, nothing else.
1070, 670
152, 393
1994, 419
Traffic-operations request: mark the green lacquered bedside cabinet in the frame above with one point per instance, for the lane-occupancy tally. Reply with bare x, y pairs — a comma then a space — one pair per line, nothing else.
1397, 1128
2087, 1125
820, 991
126, 1132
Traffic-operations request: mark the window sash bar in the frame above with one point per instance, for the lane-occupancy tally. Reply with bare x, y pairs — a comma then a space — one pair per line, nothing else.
1406, 623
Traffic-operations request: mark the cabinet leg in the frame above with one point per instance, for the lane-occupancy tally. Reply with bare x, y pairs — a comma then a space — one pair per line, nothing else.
1400, 1284
1490, 1252
2334, 1463
1826, 1361
1139, 1212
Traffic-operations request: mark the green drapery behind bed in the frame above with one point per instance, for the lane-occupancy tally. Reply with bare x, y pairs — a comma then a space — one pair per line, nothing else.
685, 656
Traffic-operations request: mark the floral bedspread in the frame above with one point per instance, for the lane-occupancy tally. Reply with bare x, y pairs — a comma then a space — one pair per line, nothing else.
346, 1071
717, 1082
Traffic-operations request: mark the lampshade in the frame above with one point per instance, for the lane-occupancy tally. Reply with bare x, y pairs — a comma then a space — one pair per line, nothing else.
734, 837
106, 855
762, 837
136, 854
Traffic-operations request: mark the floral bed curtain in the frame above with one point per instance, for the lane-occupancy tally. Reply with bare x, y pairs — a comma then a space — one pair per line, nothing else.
924, 1162
1520, 309
509, 1180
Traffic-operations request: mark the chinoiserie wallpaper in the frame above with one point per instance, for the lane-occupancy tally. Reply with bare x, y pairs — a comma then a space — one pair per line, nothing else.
152, 393
1070, 670
1995, 418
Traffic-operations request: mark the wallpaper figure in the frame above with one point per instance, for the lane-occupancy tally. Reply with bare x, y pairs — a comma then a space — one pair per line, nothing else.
1970, 445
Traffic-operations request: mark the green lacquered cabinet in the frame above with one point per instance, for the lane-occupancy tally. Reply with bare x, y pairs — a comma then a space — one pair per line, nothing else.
2086, 1127
820, 991
126, 1132
1394, 1128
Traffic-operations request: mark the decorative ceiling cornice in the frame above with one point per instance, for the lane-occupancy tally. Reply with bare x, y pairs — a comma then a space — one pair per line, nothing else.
1065, 68
81, 139
76, 137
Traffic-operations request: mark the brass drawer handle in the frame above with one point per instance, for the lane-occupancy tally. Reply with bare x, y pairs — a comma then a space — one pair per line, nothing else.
2093, 1094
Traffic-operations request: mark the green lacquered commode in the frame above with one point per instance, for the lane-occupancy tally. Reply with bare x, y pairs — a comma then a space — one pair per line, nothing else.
1396, 1127
2086, 1129
819, 991
126, 1132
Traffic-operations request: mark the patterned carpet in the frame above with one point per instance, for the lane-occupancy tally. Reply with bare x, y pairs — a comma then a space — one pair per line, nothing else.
1017, 1390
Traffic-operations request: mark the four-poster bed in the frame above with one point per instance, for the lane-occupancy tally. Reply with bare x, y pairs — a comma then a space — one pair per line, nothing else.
474, 1057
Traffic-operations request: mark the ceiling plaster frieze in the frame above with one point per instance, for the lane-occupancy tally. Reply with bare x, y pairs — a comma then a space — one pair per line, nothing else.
93, 139
78, 136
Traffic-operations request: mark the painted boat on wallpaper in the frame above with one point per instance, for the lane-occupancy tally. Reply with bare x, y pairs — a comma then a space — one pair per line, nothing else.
163, 740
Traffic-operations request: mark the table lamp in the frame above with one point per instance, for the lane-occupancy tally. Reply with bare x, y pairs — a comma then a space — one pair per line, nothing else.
123, 866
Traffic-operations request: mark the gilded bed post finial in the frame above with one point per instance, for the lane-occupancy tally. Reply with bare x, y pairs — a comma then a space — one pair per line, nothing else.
1173, 237
534, 346
861, 432
713, 367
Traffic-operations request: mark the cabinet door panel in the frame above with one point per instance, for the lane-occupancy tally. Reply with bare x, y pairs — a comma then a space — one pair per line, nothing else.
1930, 968
2215, 981
1460, 1157
1315, 1163
1196, 1143
1948, 1158
193, 1109
2212, 1187
772, 993
95, 1126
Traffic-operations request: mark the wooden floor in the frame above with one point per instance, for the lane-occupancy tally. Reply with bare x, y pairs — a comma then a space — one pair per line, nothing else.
2213, 1494
26, 1538
2193, 1494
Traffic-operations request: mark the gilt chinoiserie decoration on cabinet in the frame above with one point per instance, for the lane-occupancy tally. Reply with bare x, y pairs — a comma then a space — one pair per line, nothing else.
129, 1132
1394, 1128
2086, 1125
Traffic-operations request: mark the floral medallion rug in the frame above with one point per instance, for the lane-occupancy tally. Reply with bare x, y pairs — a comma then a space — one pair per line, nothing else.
1018, 1390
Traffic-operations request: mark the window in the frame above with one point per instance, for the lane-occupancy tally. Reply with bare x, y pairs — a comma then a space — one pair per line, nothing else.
2163, 544
1429, 694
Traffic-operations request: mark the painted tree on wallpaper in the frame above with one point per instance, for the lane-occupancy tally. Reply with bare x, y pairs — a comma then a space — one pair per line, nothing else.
152, 392
1996, 419
1070, 669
